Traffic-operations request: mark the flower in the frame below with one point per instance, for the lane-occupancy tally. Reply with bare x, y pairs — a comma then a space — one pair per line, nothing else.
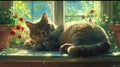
21, 19
19, 13
90, 17
83, 17
13, 31
18, 27
92, 11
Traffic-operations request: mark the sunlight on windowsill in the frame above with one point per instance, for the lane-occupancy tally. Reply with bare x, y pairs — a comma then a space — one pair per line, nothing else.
26, 52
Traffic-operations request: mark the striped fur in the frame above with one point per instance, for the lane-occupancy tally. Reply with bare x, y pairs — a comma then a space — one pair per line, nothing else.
76, 39
84, 39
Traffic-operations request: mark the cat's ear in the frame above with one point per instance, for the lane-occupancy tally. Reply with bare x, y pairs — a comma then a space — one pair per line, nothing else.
29, 24
44, 17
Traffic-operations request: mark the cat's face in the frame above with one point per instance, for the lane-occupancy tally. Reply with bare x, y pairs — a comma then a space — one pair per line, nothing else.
39, 31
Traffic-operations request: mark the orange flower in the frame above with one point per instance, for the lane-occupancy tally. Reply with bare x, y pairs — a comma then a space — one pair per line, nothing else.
92, 11
83, 17
21, 19
13, 31
18, 27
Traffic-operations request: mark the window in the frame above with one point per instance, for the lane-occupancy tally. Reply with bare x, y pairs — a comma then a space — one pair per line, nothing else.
74, 10
36, 8
58, 12
66, 11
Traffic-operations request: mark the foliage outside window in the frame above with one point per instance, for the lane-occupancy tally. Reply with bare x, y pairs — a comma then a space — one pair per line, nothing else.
74, 10
36, 9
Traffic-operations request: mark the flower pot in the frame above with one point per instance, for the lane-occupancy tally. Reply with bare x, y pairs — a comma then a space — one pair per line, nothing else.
117, 36
116, 29
5, 35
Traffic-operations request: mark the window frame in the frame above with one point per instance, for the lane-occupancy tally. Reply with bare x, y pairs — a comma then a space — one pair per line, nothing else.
59, 14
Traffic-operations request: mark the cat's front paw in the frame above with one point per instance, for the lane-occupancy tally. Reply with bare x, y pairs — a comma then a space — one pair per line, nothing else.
28, 44
64, 47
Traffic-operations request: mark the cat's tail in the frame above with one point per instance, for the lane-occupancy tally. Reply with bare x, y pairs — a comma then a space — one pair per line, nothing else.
89, 50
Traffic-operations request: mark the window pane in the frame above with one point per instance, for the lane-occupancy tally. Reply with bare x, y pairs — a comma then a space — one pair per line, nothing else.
42, 6
75, 9
36, 9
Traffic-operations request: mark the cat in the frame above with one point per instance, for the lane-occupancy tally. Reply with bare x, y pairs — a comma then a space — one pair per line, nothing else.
81, 39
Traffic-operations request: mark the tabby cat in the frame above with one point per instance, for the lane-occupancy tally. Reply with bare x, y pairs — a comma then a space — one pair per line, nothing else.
81, 39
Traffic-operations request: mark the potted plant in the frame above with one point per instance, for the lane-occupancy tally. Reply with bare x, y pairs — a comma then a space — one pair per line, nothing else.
116, 29
6, 25
12, 24
9, 27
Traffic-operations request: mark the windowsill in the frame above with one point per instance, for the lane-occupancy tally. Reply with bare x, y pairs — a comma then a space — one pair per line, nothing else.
28, 52
24, 55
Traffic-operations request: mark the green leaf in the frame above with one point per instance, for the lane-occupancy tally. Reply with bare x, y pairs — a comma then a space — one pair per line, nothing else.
17, 41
